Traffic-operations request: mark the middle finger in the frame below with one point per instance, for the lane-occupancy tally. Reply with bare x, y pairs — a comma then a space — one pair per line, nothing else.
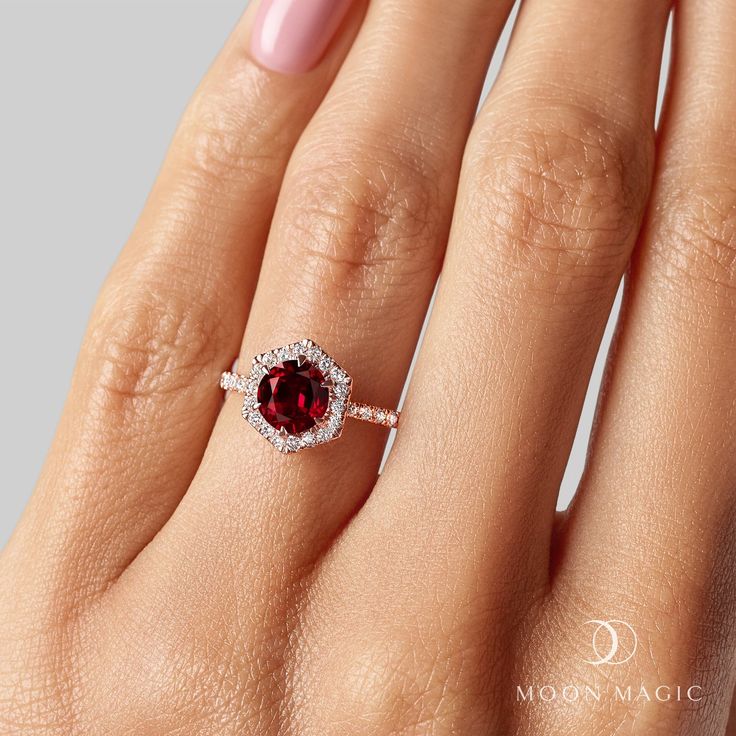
554, 184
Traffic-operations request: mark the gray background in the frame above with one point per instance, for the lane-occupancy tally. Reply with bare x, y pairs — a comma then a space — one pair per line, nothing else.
91, 93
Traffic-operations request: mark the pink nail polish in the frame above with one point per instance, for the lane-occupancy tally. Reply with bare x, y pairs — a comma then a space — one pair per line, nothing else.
290, 36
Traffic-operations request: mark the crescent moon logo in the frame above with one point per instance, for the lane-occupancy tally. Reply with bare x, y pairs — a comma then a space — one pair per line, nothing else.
613, 642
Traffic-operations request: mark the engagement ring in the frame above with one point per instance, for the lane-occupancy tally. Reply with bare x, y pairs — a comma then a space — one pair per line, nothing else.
297, 396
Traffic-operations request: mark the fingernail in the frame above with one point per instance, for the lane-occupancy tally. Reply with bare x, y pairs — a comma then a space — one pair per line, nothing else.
290, 36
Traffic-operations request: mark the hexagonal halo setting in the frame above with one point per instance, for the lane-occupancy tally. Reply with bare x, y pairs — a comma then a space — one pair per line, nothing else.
339, 383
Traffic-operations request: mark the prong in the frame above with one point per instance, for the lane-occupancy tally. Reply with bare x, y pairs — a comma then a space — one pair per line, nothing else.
301, 359
256, 405
327, 383
283, 433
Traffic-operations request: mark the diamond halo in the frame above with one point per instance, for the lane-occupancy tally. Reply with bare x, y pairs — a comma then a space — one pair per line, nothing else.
336, 380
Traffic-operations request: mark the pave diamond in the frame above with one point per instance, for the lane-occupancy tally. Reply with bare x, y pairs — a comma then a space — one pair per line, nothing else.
341, 390
293, 444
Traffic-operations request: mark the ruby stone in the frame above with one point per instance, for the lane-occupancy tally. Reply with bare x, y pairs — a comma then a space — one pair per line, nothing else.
292, 396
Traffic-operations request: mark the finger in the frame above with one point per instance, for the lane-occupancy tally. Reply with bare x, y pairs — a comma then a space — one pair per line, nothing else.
356, 246
357, 242
553, 186
143, 400
352, 258
662, 474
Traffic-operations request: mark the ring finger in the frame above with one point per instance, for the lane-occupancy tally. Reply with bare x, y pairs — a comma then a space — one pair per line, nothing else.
353, 255
142, 405
356, 246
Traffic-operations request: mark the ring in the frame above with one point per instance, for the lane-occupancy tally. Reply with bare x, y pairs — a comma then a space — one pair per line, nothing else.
297, 397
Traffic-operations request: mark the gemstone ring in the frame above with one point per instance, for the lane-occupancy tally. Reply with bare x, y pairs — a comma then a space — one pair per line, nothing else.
297, 396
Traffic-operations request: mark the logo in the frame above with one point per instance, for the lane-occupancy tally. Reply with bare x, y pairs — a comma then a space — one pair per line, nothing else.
613, 642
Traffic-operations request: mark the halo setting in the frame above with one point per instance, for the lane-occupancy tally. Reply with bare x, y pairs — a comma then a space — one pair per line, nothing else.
297, 396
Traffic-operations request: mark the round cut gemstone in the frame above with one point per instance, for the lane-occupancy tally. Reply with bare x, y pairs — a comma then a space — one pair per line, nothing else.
292, 396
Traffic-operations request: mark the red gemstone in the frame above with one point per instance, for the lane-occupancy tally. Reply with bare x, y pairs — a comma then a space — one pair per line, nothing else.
292, 396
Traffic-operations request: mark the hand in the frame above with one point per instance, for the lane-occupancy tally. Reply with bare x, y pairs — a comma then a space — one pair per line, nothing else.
174, 574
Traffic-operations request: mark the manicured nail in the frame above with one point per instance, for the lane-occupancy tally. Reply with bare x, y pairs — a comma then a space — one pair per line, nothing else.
290, 36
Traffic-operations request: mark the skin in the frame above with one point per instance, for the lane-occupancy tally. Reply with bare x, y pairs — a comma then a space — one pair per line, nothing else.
173, 574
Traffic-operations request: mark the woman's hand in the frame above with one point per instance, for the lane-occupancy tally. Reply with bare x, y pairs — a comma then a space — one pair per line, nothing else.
173, 574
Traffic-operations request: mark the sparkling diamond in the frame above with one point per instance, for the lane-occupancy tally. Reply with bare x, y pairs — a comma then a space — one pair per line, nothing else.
293, 444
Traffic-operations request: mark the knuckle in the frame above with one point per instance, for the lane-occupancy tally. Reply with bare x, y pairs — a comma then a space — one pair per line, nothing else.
149, 339
399, 689
359, 209
220, 151
697, 241
223, 141
562, 189
419, 676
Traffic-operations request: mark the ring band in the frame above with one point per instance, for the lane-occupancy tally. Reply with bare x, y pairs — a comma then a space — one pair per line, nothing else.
297, 396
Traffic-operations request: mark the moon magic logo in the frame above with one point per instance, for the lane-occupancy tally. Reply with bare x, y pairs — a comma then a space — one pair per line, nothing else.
613, 642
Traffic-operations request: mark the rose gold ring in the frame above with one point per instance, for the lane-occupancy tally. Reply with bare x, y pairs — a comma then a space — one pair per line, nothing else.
297, 397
